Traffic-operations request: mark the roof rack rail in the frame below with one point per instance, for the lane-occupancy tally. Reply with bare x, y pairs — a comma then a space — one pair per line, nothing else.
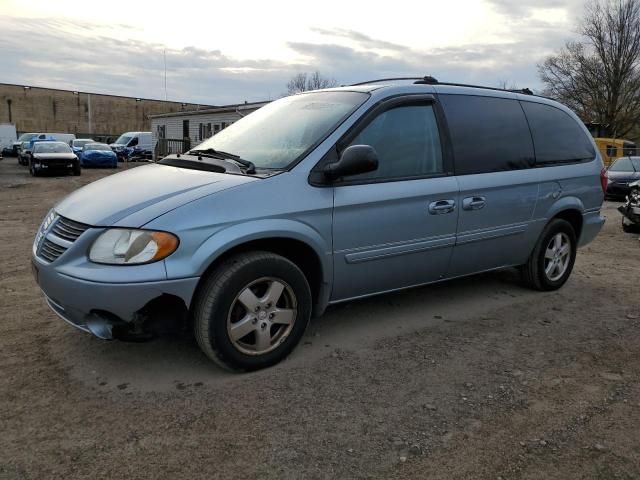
384, 80
429, 80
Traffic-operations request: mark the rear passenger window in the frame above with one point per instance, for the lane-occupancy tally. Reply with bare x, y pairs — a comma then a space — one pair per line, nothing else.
489, 134
557, 137
407, 142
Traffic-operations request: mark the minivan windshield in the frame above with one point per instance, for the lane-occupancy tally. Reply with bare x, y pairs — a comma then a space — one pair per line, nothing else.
123, 140
279, 133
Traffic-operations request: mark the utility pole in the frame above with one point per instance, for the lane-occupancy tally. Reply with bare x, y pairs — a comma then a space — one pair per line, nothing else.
90, 132
165, 74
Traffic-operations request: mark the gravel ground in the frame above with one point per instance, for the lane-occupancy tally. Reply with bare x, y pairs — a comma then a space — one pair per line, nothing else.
475, 378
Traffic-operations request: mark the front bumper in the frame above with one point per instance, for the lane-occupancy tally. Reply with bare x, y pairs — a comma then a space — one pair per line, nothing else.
52, 165
88, 304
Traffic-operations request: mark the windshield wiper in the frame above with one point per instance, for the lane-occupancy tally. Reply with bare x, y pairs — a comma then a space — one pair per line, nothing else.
248, 165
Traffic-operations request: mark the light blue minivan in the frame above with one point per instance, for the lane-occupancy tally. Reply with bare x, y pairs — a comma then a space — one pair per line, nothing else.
320, 198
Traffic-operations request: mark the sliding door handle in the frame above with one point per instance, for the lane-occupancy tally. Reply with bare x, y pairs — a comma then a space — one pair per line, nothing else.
442, 206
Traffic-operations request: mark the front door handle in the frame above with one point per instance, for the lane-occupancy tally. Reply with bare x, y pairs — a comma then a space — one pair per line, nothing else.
473, 203
442, 206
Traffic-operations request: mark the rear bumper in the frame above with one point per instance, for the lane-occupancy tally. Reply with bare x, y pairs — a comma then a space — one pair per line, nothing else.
592, 223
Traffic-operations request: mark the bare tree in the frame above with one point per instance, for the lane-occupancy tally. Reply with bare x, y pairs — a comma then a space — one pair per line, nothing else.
506, 85
598, 76
303, 82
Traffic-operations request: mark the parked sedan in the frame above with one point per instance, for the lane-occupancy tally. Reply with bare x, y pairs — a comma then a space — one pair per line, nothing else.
53, 156
624, 171
78, 144
98, 155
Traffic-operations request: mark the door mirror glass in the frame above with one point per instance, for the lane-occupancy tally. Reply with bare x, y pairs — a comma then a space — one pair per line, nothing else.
354, 160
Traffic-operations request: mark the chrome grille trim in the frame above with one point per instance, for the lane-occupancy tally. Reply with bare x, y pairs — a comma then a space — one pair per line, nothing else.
68, 229
50, 251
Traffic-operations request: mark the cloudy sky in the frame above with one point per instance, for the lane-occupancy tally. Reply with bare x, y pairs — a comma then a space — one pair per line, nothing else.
228, 52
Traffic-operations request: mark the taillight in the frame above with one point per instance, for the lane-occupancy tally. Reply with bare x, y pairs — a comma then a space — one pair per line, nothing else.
603, 180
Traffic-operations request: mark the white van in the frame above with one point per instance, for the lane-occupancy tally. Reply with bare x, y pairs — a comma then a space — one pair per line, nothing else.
27, 137
133, 143
7, 136
63, 137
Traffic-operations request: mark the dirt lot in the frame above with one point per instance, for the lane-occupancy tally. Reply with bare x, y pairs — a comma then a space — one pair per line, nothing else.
477, 378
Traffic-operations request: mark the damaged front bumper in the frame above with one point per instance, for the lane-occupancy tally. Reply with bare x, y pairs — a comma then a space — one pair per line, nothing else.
114, 310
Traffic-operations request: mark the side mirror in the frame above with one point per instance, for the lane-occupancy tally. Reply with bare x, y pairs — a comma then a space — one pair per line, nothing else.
354, 160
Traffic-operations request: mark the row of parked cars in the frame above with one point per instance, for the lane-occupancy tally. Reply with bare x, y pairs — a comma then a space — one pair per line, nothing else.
43, 152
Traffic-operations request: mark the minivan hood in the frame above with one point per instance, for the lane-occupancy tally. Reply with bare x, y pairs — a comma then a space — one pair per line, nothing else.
147, 191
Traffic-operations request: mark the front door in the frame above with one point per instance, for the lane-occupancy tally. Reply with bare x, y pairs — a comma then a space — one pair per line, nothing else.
395, 227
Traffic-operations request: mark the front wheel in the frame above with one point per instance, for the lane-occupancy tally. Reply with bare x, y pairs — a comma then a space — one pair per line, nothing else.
252, 311
552, 259
76, 170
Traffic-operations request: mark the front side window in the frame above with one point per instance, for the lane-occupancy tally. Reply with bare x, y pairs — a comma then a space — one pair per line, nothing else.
489, 134
557, 137
407, 142
279, 133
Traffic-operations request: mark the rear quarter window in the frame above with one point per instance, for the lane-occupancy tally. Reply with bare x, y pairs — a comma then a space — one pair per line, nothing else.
489, 134
557, 137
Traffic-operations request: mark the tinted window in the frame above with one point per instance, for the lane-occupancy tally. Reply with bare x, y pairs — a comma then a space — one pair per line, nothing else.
488, 134
557, 137
406, 140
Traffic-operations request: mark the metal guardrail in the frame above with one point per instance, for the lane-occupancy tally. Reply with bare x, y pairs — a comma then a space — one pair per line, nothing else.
167, 146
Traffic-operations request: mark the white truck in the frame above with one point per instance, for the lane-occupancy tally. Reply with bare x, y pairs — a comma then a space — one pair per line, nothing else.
7, 137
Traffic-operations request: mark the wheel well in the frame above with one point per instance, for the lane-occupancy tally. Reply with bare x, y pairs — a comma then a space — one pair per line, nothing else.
296, 251
574, 217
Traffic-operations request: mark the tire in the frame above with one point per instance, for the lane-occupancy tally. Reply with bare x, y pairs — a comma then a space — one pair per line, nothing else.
218, 308
76, 171
33, 171
534, 273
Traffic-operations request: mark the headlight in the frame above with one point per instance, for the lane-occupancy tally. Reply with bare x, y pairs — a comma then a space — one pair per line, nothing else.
120, 246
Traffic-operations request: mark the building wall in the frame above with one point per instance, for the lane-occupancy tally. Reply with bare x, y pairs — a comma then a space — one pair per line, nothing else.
173, 124
38, 109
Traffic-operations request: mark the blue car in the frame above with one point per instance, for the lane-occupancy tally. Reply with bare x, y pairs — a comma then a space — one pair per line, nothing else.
98, 155
78, 144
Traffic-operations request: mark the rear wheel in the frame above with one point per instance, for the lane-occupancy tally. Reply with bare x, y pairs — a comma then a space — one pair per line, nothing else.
552, 259
252, 311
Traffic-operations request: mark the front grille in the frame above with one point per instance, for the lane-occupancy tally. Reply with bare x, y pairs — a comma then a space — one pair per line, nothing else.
50, 251
68, 229
62, 228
